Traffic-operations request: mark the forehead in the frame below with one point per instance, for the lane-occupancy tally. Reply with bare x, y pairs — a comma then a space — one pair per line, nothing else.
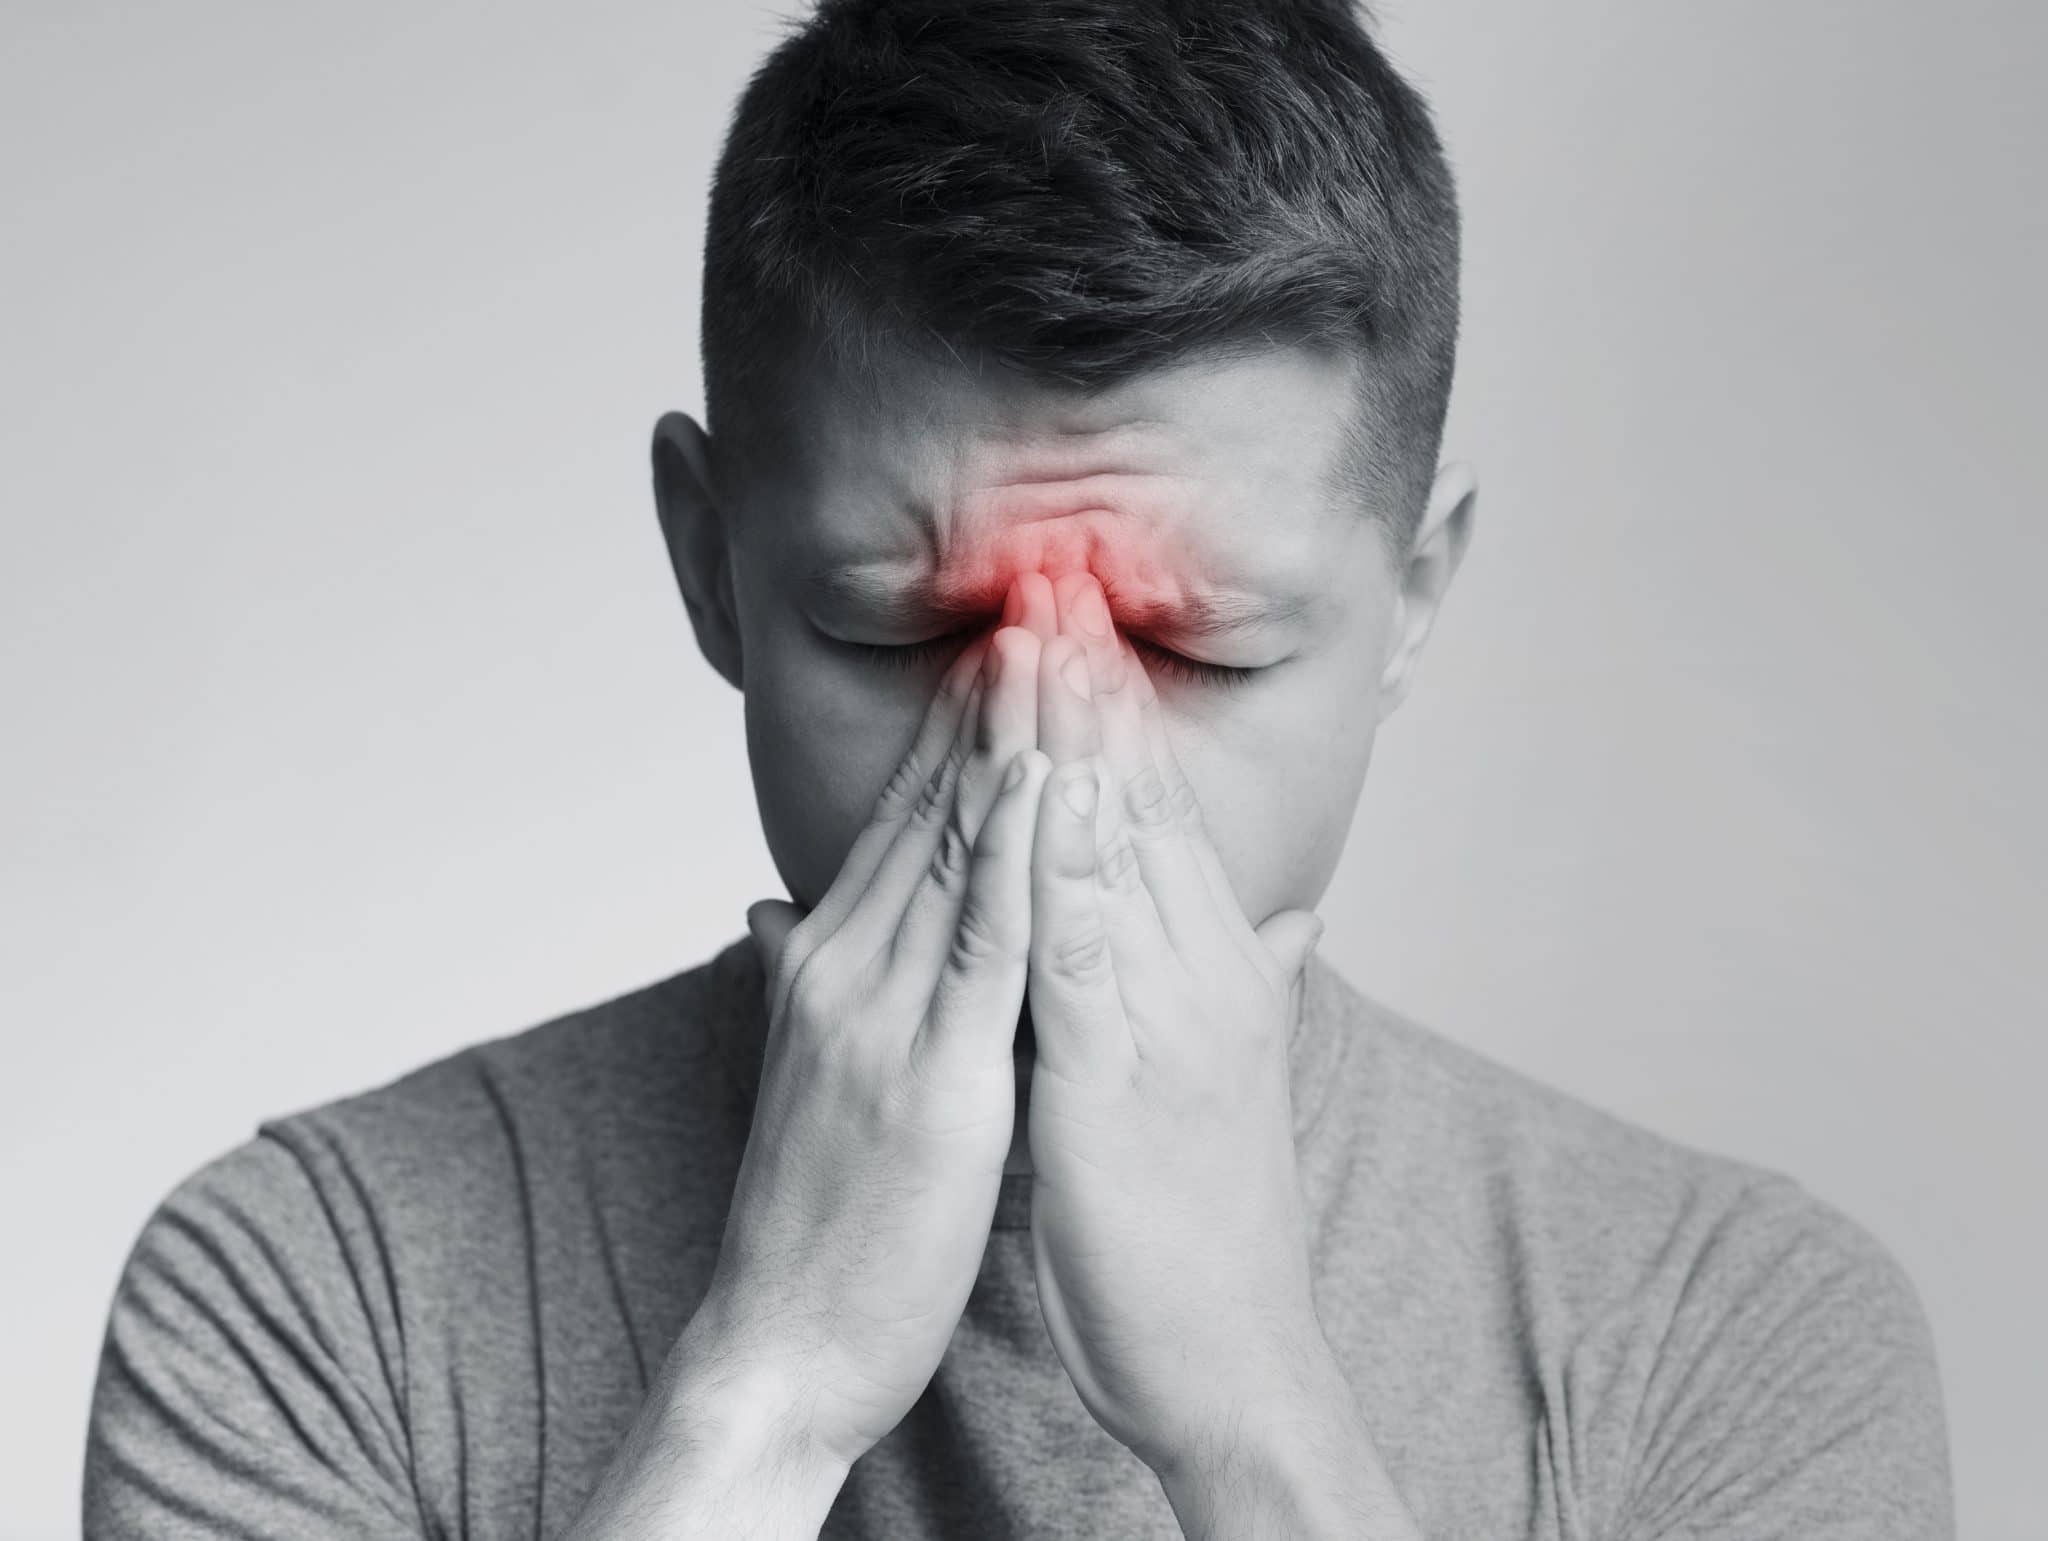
1208, 469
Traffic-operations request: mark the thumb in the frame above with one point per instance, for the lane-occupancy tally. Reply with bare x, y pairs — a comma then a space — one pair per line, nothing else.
770, 921
1290, 937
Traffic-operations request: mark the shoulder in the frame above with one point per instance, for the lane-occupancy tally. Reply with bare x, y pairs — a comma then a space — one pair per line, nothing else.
285, 1305
248, 1368
1423, 1103
421, 1174
641, 1064
1795, 1388
1545, 1161
337, 1172
1716, 1349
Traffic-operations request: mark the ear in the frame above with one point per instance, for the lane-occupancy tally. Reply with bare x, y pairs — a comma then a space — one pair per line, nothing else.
1433, 558
694, 526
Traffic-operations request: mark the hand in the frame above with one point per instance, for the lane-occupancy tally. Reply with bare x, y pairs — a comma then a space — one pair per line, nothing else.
1167, 1222
888, 1092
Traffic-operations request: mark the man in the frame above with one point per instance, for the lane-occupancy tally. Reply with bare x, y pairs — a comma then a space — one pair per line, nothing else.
1068, 512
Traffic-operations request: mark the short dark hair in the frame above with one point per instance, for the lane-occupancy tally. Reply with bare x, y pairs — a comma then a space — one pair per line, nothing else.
1086, 189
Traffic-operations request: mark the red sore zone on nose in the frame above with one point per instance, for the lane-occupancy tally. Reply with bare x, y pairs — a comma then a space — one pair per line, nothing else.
1146, 588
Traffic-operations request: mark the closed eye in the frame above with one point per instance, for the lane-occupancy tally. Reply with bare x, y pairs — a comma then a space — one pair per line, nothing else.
906, 657
1196, 671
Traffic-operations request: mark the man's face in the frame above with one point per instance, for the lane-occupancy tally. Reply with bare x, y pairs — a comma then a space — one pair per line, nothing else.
1263, 610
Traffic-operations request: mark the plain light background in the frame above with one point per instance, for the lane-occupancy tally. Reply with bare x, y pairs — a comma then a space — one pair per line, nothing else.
351, 716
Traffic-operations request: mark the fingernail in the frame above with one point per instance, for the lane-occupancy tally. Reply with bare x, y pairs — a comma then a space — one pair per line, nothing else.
1013, 605
1091, 613
1015, 773
1075, 672
1078, 793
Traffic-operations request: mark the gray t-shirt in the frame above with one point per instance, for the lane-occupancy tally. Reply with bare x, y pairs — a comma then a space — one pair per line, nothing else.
434, 1308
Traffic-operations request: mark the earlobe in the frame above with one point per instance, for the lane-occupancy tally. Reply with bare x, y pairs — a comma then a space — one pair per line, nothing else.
1433, 559
693, 525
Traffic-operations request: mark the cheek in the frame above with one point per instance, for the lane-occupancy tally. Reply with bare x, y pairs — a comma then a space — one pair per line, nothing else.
822, 738
1279, 785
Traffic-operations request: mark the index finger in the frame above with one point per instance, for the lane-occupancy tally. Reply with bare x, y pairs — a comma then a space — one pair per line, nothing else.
899, 794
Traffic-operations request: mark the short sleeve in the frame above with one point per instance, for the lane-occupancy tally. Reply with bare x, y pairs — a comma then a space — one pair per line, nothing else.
1797, 1394
245, 1388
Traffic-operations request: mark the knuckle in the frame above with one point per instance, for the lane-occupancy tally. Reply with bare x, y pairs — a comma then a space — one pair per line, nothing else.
1081, 959
1146, 799
812, 995
937, 795
806, 936
977, 940
900, 790
1118, 867
949, 861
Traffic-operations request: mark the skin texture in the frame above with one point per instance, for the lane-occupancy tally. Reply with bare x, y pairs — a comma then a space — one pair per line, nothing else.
874, 1157
1147, 618
1166, 1222
909, 500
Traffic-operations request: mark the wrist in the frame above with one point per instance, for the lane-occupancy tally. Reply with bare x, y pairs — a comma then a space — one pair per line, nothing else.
1289, 1381
740, 1421
1301, 1465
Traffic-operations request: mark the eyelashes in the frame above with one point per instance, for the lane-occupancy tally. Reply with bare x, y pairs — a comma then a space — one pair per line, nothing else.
904, 658
1196, 671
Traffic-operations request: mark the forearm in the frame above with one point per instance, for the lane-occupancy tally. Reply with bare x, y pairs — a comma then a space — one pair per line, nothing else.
720, 1449
1310, 1472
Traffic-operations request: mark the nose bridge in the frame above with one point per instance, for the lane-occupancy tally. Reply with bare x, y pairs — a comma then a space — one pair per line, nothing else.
1075, 543
987, 554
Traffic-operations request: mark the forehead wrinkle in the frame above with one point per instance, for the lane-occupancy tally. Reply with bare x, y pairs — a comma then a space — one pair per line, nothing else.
1064, 451
1119, 494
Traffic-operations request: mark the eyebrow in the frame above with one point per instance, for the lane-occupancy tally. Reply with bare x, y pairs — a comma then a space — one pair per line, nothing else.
923, 599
